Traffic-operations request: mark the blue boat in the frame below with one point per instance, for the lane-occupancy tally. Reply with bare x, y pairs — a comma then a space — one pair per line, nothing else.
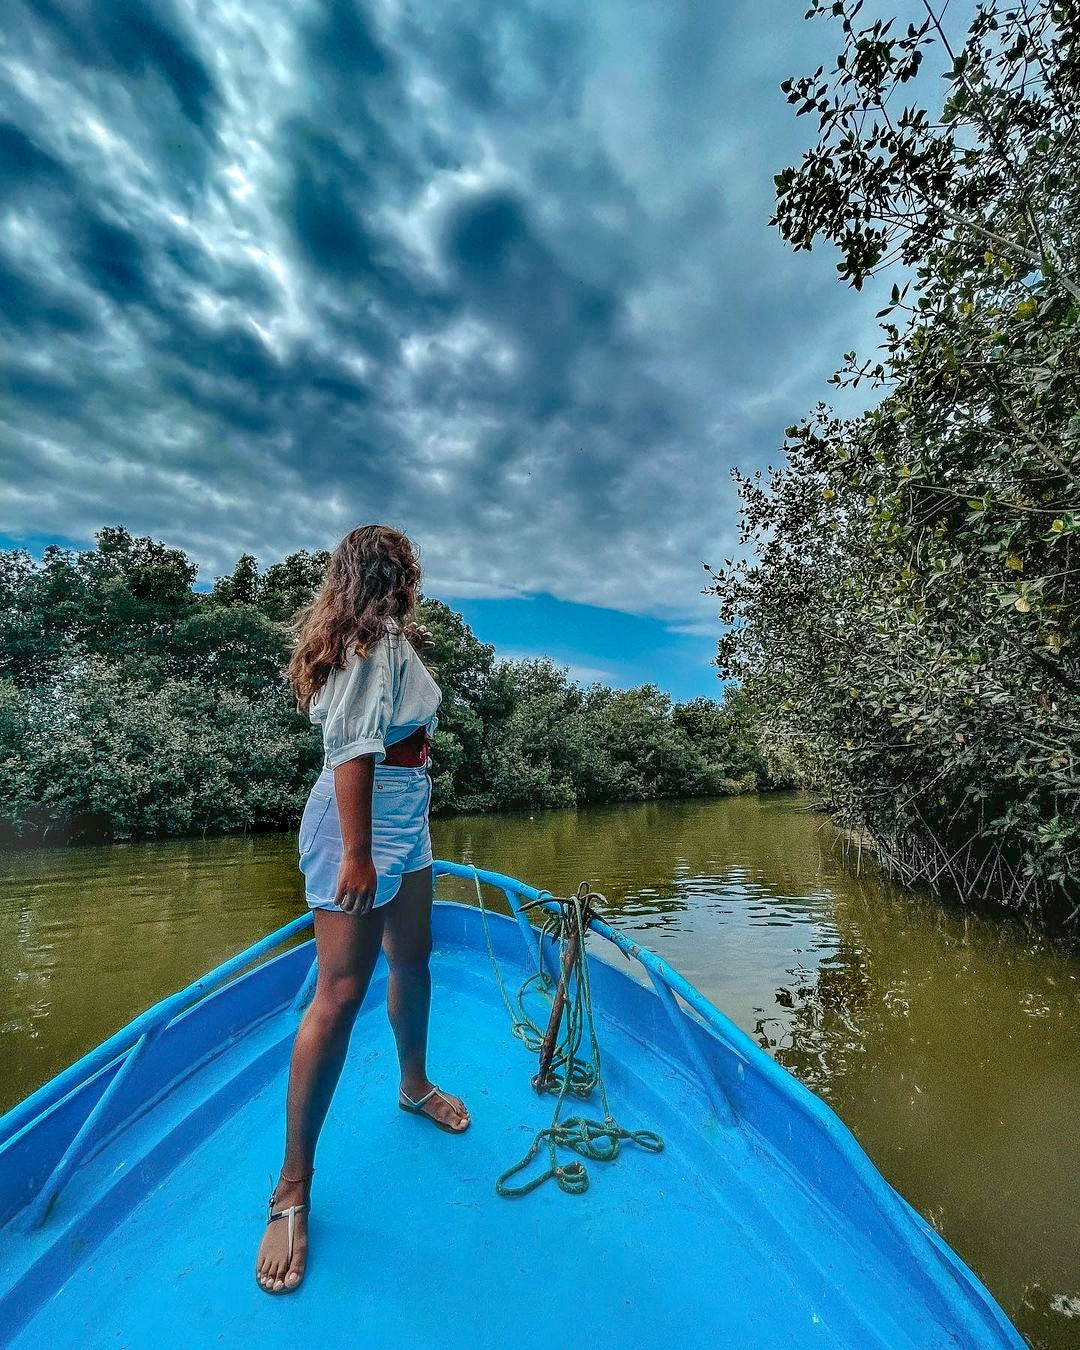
132, 1186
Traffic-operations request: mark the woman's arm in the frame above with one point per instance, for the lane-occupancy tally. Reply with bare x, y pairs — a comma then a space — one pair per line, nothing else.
357, 878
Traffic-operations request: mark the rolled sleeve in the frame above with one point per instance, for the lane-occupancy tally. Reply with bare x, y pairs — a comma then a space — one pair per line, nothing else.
354, 750
358, 708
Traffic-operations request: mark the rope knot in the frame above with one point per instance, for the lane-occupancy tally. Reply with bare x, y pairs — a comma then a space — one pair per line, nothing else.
562, 1069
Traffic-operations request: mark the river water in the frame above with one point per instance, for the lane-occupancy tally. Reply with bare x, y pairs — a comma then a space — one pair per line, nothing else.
950, 1044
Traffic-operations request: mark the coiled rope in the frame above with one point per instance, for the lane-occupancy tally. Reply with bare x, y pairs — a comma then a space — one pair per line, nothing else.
568, 1072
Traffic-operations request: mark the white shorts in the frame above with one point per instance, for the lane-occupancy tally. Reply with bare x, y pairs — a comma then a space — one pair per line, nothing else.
400, 840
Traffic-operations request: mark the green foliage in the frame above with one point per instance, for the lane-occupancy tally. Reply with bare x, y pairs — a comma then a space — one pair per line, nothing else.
908, 626
234, 645
291, 583
132, 705
549, 742
462, 666
91, 752
122, 598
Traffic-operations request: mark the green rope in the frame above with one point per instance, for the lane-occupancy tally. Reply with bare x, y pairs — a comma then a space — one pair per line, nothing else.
570, 1072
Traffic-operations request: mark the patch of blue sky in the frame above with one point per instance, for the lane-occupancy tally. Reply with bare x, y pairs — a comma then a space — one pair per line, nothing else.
598, 644
35, 544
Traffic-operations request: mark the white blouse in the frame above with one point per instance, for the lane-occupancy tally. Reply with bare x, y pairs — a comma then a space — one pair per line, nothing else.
375, 701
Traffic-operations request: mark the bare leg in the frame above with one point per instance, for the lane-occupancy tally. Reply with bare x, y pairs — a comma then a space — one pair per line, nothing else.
347, 947
407, 944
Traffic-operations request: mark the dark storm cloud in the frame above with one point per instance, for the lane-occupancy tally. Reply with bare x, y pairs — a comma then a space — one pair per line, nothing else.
37, 309
330, 205
139, 63
552, 318
124, 37
499, 274
24, 164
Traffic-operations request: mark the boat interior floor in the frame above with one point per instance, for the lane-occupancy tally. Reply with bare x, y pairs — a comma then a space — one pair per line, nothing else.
714, 1242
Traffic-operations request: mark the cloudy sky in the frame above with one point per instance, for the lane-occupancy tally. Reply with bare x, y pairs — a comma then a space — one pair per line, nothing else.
499, 274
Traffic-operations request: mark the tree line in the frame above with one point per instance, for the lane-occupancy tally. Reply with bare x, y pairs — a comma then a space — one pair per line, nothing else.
905, 622
134, 705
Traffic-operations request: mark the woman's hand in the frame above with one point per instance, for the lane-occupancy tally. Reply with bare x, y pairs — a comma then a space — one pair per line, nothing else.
357, 881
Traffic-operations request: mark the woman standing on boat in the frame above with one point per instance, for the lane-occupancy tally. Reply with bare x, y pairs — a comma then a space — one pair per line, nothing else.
365, 852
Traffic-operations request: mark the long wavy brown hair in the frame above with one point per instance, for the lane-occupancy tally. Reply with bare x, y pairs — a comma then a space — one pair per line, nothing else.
372, 579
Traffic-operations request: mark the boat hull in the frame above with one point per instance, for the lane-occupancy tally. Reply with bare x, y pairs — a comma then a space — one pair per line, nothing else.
752, 1228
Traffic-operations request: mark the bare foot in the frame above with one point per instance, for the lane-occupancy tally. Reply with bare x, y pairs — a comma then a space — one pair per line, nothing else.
273, 1269
443, 1107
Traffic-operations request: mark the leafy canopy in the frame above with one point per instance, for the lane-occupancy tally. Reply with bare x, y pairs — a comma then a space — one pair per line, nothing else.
906, 625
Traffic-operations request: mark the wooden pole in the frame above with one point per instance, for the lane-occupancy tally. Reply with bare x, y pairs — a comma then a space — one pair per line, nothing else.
551, 1036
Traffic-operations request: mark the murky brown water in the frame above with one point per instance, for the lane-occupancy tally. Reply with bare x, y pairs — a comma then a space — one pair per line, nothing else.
950, 1045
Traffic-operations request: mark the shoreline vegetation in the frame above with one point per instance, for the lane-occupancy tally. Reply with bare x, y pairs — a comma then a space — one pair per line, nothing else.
133, 706
905, 620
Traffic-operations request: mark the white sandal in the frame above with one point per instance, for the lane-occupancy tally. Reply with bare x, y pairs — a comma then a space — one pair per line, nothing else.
417, 1109
289, 1213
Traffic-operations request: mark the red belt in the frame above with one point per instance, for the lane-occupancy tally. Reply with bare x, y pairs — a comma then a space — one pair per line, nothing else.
411, 753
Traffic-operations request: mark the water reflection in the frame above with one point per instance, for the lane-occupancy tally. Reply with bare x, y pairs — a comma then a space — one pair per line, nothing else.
730, 893
950, 1044
91, 936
